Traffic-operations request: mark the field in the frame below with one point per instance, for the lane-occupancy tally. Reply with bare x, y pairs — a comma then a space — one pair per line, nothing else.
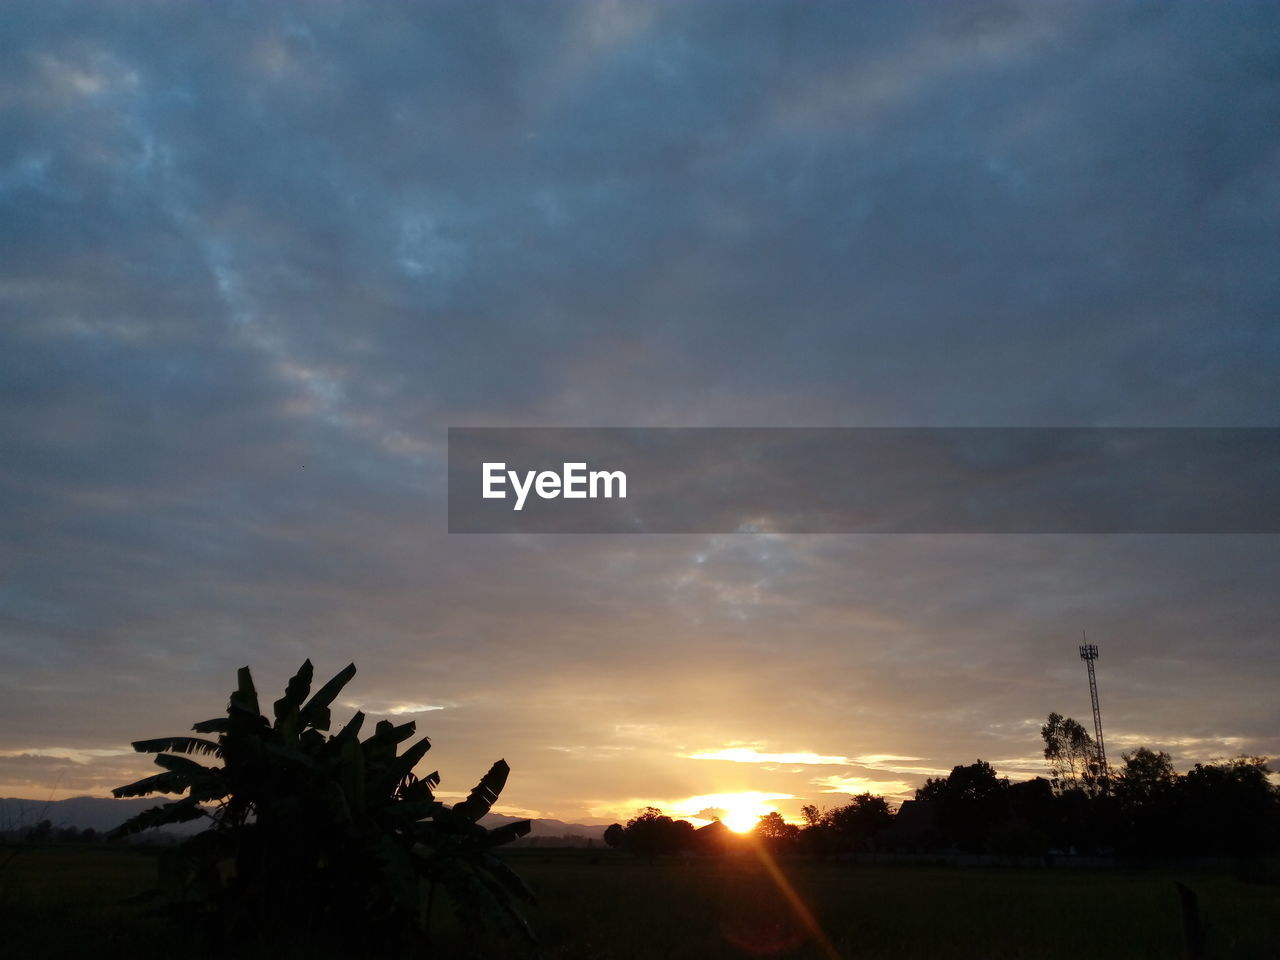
68, 902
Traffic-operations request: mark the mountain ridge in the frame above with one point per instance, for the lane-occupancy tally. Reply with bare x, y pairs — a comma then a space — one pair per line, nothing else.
106, 813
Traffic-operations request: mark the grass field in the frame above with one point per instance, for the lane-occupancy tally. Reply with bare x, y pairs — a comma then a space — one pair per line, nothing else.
67, 902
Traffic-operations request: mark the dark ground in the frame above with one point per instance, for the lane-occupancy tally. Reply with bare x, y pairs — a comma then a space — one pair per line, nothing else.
69, 901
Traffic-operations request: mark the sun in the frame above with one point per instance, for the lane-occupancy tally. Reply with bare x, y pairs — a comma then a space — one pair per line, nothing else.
743, 818
740, 812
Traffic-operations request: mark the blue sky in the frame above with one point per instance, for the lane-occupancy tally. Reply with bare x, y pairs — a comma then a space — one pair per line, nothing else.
255, 259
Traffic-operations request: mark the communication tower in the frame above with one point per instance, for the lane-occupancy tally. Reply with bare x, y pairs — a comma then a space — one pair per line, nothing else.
1089, 653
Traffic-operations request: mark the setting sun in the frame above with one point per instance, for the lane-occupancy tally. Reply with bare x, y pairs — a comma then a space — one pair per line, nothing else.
738, 811
742, 820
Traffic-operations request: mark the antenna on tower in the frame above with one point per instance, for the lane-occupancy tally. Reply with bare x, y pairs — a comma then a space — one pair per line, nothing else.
1089, 653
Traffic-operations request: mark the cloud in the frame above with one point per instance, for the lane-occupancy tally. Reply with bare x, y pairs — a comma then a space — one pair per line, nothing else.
751, 755
55, 773
73, 754
391, 707
250, 279
859, 785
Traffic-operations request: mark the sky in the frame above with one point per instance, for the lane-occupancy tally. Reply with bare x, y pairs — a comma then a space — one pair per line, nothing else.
256, 259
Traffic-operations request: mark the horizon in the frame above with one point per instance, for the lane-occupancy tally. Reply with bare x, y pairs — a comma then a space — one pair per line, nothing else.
741, 810
252, 279
740, 813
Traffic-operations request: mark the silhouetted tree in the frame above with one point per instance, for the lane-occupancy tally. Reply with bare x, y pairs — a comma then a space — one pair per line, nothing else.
1032, 800
971, 800
858, 821
1071, 754
1230, 807
1145, 777
775, 832
651, 833
614, 835
1032, 824
327, 840
1029, 825
817, 837
1146, 793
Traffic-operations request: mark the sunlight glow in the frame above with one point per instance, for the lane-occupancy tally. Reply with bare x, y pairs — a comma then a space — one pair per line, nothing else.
751, 755
741, 820
738, 811
896, 789
801, 909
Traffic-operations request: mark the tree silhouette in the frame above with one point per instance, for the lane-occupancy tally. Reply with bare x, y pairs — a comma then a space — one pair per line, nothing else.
614, 834
971, 801
776, 832
650, 833
858, 821
1071, 754
1146, 777
1230, 807
321, 839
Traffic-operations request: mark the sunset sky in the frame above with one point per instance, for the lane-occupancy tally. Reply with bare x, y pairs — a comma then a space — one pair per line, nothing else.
255, 259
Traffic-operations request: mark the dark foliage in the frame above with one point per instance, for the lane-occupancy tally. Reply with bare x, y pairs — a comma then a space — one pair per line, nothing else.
650, 833
972, 801
329, 840
775, 833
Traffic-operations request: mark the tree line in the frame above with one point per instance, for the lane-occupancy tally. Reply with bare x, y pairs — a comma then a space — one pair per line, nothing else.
1141, 809
43, 831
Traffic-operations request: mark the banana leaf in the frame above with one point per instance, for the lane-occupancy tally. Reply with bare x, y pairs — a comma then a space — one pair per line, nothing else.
179, 811
316, 712
178, 745
485, 793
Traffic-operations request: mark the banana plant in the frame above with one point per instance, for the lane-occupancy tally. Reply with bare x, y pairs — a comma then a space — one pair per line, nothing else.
323, 836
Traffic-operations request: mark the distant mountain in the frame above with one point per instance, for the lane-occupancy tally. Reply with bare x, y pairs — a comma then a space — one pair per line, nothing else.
548, 828
101, 813
104, 813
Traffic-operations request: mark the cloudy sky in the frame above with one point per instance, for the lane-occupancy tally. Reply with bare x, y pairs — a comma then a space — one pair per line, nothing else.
256, 259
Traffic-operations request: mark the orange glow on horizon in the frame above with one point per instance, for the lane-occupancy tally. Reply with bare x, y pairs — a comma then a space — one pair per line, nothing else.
740, 812
740, 821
